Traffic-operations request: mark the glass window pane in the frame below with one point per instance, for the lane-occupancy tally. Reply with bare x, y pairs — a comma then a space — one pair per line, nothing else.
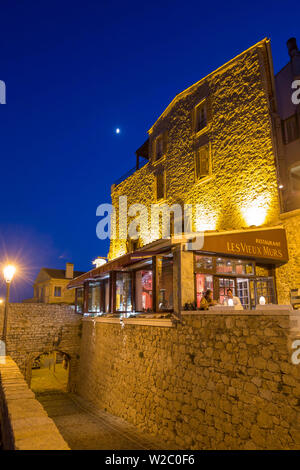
143, 289
165, 283
123, 292
79, 300
94, 296
203, 262
203, 282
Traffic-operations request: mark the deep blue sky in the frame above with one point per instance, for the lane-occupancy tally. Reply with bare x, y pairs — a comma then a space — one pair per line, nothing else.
74, 72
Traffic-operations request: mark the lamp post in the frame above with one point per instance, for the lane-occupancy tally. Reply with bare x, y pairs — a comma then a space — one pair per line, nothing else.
8, 272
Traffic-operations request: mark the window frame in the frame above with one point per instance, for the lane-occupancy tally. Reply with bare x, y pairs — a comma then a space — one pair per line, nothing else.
202, 104
60, 290
163, 173
196, 157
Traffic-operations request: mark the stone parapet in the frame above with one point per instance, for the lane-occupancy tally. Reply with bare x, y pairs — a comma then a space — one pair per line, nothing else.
24, 423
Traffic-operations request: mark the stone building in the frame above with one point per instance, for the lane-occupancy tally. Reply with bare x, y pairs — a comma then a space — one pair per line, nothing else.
218, 150
50, 286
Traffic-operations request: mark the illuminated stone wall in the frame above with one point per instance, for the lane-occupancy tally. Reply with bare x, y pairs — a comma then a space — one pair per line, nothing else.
242, 189
219, 381
24, 424
34, 329
288, 275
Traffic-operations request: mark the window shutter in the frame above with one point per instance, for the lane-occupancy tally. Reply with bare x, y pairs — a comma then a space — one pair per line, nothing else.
165, 142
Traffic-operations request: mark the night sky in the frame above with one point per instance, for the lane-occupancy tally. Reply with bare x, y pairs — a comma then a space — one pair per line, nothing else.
74, 72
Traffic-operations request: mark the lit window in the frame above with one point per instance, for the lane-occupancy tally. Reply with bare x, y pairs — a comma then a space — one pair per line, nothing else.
200, 117
160, 185
202, 162
123, 292
94, 297
79, 300
57, 291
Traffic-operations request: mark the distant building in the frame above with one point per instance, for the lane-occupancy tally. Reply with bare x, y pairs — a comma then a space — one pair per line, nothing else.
288, 127
50, 286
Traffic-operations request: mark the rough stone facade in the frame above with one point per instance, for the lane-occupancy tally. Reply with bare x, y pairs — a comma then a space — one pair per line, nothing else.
24, 424
288, 275
217, 381
239, 132
37, 328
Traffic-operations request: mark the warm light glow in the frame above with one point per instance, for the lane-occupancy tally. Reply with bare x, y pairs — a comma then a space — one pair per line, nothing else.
9, 272
1, 301
255, 213
205, 219
262, 300
99, 262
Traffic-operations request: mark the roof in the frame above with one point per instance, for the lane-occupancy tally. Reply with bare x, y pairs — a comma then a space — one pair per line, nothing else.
60, 273
192, 87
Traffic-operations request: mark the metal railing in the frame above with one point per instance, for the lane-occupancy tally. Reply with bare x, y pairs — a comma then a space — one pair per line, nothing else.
129, 173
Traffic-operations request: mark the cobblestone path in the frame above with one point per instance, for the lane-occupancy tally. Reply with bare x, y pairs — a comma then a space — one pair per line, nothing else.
85, 428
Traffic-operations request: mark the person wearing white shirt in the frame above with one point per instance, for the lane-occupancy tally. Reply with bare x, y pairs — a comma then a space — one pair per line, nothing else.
236, 301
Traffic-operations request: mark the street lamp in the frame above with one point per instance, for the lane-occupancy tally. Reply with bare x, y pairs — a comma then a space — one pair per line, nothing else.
8, 273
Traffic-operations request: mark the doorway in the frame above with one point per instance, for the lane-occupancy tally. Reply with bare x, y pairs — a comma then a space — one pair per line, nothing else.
50, 372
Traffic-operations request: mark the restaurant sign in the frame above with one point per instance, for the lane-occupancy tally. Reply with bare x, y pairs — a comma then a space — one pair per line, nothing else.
259, 244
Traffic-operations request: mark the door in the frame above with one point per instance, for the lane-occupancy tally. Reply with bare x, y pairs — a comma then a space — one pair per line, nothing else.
243, 292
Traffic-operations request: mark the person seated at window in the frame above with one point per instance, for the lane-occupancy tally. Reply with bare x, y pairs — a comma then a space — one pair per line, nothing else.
236, 303
207, 300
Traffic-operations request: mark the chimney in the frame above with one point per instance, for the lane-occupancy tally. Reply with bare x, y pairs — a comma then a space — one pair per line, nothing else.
69, 271
292, 47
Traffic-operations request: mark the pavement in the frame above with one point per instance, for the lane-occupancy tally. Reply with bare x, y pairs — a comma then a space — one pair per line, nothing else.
82, 425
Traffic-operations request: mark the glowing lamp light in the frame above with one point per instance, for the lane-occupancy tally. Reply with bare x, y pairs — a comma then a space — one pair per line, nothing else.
255, 216
9, 272
99, 262
262, 300
230, 302
118, 130
1, 301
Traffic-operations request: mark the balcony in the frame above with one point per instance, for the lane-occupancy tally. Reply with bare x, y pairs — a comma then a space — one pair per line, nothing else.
142, 158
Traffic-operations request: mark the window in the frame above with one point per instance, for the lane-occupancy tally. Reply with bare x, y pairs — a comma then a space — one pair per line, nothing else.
143, 290
165, 283
57, 291
203, 282
200, 119
202, 162
265, 288
94, 297
79, 300
159, 147
123, 292
160, 185
203, 263
234, 266
291, 129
